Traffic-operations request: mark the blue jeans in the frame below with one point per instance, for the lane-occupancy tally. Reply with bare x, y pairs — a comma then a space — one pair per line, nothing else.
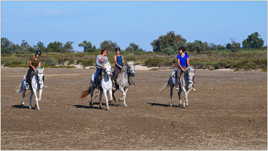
97, 74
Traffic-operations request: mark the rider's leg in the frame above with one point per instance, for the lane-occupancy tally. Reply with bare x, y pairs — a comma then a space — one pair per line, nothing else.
177, 77
96, 77
116, 72
28, 75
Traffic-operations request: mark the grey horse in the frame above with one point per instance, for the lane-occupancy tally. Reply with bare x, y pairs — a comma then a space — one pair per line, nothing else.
124, 79
185, 85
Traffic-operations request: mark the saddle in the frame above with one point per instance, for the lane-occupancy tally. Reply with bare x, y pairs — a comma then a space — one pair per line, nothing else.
29, 83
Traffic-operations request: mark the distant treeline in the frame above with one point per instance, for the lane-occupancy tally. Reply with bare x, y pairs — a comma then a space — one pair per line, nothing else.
167, 44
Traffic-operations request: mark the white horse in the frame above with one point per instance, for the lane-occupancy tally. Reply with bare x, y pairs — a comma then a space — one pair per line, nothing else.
123, 80
36, 88
186, 84
106, 85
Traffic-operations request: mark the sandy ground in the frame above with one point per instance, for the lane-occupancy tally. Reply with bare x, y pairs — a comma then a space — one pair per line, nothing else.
228, 111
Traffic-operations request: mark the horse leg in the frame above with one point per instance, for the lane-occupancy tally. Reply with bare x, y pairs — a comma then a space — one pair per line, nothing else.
186, 97
36, 100
91, 96
111, 94
22, 97
40, 94
184, 101
106, 99
179, 95
171, 95
114, 98
124, 97
123, 93
31, 99
100, 99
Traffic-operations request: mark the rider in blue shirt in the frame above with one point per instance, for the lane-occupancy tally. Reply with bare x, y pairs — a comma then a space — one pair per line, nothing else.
183, 62
119, 62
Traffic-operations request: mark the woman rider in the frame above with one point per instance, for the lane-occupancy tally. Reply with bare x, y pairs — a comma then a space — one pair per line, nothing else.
101, 60
33, 63
119, 62
183, 62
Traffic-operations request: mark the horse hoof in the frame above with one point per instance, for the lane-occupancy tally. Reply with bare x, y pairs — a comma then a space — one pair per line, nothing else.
125, 105
170, 105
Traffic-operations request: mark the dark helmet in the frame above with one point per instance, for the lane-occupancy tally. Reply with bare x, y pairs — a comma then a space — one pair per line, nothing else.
117, 49
38, 52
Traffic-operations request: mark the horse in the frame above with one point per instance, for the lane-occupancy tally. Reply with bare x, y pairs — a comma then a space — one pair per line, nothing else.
104, 88
186, 85
124, 79
36, 87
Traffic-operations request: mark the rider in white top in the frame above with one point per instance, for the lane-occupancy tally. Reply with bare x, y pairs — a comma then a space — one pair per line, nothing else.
101, 60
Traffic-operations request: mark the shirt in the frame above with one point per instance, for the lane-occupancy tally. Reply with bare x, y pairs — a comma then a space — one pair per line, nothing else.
183, 60
101, 60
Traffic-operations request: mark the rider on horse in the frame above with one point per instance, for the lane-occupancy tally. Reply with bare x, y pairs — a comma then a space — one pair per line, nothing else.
183, 62
33, 63
101, 60
119, 62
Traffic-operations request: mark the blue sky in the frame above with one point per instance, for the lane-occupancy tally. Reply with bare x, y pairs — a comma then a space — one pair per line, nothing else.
126, 22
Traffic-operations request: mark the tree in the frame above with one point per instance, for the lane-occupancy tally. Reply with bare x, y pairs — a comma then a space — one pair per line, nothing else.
25, 46
68, 46
55, 47
87, 46
40, 45
233, 46
170, 40
6, 46
197, 46
109, 45
133, 48
253, 41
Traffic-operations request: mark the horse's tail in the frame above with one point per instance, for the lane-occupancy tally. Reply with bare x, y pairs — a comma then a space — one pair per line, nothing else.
163, 87
85, 92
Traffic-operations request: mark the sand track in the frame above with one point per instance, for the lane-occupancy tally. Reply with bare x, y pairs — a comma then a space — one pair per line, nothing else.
228, 111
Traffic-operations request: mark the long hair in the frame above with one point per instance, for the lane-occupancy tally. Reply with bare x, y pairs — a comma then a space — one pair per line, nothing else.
102, 51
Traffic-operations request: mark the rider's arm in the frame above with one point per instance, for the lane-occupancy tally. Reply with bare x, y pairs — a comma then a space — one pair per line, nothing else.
123, 60
115, 60
98, 64
188, 61
179, 65
30, 64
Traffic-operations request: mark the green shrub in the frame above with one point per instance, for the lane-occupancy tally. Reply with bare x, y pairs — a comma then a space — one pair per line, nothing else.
50, 62
87, 62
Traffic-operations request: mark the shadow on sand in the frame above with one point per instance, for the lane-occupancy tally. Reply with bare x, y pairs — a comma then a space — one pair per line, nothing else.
20, 106
95, 105
163, 105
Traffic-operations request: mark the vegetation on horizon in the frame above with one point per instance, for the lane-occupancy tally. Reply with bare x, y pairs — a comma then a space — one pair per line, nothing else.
252, 55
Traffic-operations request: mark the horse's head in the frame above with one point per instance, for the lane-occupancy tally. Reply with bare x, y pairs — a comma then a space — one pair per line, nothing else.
131, 68
191, 74
108, 69
40, 70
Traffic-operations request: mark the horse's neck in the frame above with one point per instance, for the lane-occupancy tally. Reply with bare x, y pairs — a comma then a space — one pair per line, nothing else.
105, 77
